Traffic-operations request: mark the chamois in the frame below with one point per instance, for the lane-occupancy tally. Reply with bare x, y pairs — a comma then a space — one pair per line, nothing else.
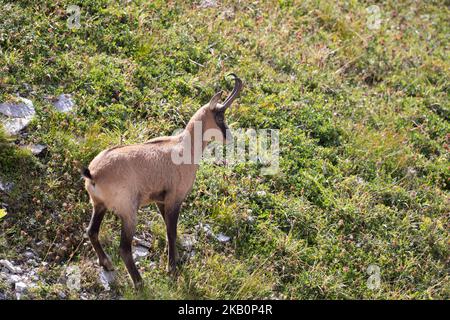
124, 178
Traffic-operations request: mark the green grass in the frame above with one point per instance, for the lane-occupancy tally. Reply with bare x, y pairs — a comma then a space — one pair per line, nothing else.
364, 138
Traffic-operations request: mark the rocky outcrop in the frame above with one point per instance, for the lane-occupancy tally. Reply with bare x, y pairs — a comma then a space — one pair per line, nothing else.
15, 116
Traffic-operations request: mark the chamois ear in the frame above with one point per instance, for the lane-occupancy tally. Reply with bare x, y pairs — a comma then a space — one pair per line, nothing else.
214, 100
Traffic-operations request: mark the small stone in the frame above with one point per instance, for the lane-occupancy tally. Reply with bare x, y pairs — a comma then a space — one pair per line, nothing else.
27, 87
29, 254
208, 3
251, 219
13, 279
140, 253
64, 103
32, 262
20, 288
223, 238
207, 229
34, 277
188, 242
36, 149
228, 14
61, 295
84, 296
8, 265
106, 278
261, 193
6, 186
17, 115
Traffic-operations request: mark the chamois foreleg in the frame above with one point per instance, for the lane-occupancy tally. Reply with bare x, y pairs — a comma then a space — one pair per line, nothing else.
128, 230
171, 213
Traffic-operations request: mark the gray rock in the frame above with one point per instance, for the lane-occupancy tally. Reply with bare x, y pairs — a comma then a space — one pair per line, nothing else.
20, 288
29, 254
23, 109
14, 125
223, 238
227, 14
40, 243
6, 186
61, 295
206, 229
8, 265
36, 149
64, 103
84, 296
188, 242
107, 278
208, 3
27, 87
251, 219
32, 262
17, 115
140, 253
13, 279
34, 277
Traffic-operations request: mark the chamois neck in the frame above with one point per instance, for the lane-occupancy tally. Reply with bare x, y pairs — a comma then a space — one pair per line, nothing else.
195, 130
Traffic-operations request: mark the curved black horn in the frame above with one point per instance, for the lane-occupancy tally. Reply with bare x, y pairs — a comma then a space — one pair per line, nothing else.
234, 94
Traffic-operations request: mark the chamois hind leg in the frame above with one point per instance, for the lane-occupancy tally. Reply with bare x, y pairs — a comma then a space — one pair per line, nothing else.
128, 230
171, 213
93, 230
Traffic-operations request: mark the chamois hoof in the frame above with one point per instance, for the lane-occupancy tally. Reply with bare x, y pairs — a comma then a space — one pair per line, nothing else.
139, 285
106, 264
173, 270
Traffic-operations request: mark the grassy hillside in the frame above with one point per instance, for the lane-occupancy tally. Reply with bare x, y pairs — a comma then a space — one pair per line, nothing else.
363, 113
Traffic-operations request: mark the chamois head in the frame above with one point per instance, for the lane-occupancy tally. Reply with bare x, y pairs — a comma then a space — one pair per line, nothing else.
216, 111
